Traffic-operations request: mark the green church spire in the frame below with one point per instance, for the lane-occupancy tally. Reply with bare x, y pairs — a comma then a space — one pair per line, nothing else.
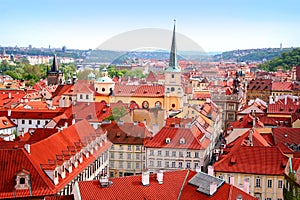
173, 64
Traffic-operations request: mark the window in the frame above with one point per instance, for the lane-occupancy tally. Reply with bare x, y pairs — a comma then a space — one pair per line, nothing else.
121, 147
188, 154
173, 164
138, 148
172, 89
120, 174
174, 153
111, 164
129, 147
128, 165
159, 152
196, 154
151, 163
279, 183
38, 122
159, 163
145, 105
112, 147
151, 152
121, 165
221, 177
167, 153
121, 156
22, 180
29, 122
180, 154
195, 165
230, 116
137, 165
103, 89
128, 155
167, 164
112, 155
172, 75
268, 198
257, 182
137, 156
180, 164
87, 96
80, 97
173, 105
269, 183
188, 165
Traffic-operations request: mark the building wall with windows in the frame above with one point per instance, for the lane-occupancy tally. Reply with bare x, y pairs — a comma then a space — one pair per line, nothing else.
260, 186
126, 160
173, 159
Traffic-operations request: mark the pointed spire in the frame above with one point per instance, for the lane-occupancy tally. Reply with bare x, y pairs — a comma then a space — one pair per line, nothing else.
173, 64
54, 65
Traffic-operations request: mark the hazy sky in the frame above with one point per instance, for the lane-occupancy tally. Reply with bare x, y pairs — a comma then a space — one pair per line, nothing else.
215, 25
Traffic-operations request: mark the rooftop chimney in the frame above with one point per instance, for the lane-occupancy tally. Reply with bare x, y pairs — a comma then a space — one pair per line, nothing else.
212, 188
104, 181
231, 179
198, 169
145, 178
9, 95
210, 170
8, 113
246, 185
160, 176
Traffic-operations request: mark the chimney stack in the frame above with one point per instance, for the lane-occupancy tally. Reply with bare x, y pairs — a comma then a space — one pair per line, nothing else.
8, 113
160, 176
9, 95
212, 188
210, 170
145, 178
198, 169
246, 185
231, 179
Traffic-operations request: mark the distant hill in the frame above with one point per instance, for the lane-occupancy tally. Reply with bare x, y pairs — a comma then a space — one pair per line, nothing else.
246, 55
250, 55
284, 61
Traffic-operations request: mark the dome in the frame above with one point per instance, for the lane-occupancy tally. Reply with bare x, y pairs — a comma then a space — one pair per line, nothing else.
105, 79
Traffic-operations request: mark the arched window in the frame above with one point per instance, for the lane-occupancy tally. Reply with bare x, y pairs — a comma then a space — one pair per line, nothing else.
145, 104
173, 76
103, 89
158, 104
172, 89
173, 105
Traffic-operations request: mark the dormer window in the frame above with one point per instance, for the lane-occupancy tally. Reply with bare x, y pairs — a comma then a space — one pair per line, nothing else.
22, 180
168, 140
182, 141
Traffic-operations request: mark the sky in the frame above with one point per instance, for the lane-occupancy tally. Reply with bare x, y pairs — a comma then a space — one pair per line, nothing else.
215, 25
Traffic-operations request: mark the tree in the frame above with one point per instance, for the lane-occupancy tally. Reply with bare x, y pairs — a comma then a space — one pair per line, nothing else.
117, 113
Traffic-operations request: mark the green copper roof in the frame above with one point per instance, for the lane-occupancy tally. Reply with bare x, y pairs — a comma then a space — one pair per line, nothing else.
173, 64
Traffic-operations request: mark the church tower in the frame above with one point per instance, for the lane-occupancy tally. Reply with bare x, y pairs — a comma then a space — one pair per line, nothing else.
173, 86
55, 76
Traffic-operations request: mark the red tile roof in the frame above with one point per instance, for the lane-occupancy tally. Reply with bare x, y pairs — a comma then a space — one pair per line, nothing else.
286, 135
131, 188
151, 77
6, 123
191, 135
126, 133
282, 108
17, 158
253, 160
139, 91
282, 86
260, 84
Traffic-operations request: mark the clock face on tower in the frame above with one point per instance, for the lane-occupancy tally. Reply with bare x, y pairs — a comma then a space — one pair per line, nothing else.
145, 105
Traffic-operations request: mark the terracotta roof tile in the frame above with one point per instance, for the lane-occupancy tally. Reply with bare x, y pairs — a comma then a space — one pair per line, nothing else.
139, 91
254, 160
282, 86
286, 135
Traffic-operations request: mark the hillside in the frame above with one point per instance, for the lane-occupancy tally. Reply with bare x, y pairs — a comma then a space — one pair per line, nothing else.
250, 55
285, 61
